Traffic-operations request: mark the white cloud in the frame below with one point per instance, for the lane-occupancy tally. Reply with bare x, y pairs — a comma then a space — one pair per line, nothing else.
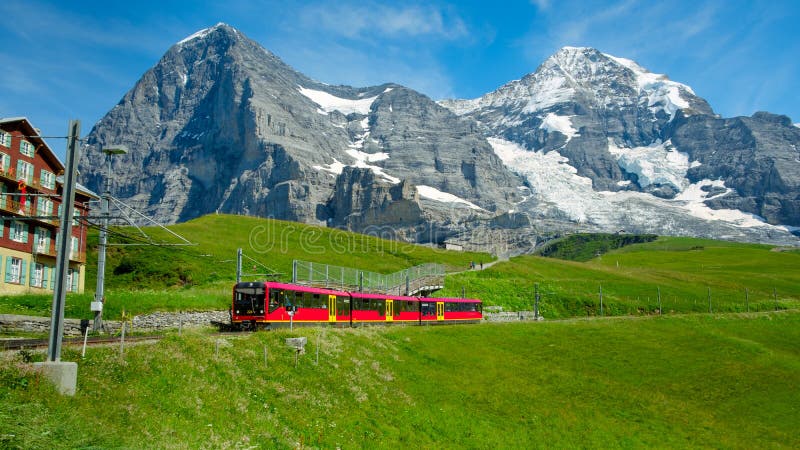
387, 21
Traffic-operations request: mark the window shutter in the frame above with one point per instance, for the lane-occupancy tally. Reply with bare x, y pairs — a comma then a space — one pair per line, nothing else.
47, 241
8, 269
45, 272
53, 278
36, 240
75, 275
32, 274
22, 272
25, 232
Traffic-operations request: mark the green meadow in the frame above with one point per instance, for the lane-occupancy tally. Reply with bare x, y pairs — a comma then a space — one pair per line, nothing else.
681, 381
684, 272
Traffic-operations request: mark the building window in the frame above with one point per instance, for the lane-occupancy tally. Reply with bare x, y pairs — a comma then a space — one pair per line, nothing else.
25, 171
15, 270
48, 179
5, 139
19, 232
73, 249
26, 148
41, 241
45, 207
38, 275
72, 280
5, 162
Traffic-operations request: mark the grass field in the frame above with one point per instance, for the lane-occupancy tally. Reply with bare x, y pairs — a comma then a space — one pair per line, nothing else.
723, 381
684, 271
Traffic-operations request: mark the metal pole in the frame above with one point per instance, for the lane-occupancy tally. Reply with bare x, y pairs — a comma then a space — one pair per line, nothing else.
775, 296
601, 300
747, 299
65, 232
99, 293
239, 265
536, 301
294, 271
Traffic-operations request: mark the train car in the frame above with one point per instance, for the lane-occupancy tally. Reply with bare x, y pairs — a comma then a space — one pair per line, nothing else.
378, 308
264, 304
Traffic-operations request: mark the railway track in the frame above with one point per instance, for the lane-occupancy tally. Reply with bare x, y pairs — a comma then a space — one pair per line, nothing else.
20, 344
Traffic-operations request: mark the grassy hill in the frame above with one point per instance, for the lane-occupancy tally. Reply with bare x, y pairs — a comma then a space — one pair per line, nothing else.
145, 278
682, 269
726, 381
739, 277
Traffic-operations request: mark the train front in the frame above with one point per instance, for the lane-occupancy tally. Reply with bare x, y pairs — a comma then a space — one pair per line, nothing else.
249, 304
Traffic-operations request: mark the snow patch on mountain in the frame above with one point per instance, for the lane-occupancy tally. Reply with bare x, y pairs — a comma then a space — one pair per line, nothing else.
445, 197
362, 159
553, 181
661, 92
656, 164
549, 92
562, 124
199, 34
557, 187
694, 198
335, 168
329, 103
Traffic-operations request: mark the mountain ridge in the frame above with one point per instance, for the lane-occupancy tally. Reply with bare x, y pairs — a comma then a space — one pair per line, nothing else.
221, 124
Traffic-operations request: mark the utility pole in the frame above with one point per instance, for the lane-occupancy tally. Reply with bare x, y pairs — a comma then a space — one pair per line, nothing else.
65, 232
238, 265
63, 374
99, 292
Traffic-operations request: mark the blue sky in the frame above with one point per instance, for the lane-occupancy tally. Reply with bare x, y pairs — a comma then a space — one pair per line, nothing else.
63, 60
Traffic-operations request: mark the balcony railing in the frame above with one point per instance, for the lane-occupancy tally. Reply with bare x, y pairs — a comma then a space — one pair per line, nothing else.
35, 183
8, 203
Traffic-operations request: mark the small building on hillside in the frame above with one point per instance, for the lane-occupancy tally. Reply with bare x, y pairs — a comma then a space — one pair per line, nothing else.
31, 186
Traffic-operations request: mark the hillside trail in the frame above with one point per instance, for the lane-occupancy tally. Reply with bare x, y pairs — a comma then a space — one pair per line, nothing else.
482, 265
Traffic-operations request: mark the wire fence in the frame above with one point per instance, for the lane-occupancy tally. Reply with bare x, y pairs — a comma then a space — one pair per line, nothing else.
607, 300
411, 281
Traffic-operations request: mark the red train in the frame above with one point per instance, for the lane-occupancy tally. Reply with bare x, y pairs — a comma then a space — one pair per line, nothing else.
266, 304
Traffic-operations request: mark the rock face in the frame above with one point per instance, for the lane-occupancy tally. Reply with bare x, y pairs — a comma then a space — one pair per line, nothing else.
220, 124
588, 141
591, 131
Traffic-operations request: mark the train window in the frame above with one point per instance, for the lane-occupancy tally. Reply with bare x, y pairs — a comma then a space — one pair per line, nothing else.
428, 308
316, 301
275, 300
343, 305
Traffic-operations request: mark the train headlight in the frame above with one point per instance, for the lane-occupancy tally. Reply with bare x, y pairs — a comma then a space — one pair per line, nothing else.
261, 312
237, 311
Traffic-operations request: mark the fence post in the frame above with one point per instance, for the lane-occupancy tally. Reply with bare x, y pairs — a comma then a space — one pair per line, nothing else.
536, 301
709, 300
659, 300
294, 271
775, 296
747, 299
